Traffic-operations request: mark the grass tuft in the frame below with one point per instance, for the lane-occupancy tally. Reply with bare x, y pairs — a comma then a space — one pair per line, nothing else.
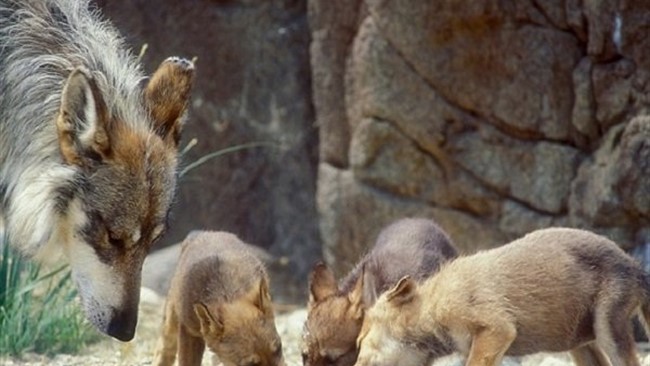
39, 312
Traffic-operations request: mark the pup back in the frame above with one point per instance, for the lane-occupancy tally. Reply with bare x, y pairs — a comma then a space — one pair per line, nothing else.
412, 246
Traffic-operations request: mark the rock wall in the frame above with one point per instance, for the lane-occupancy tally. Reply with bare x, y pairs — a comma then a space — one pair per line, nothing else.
493, 117
253, 84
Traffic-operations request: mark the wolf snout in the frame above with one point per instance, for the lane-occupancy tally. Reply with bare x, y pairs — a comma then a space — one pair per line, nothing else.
122, 324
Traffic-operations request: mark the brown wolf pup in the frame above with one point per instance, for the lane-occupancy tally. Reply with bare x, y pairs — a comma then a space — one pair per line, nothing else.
219, 297
553, 290
88, 150
414, 247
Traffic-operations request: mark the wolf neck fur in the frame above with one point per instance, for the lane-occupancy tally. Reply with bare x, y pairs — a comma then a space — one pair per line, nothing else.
32, 223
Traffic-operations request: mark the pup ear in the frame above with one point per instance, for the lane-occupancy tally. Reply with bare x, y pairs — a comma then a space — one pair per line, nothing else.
369, 288
210, 325
403, 292
356, 296
166, 96
82, 123
260, 296
322, 283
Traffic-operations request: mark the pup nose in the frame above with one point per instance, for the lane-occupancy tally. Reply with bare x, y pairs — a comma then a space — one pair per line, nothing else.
122, 325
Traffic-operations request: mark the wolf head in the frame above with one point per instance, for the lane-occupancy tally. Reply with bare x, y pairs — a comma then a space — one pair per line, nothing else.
333, 322
383, 339
116, 206
242, 332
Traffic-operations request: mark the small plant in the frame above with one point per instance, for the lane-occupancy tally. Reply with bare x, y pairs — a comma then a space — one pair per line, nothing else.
203, 159
38, 312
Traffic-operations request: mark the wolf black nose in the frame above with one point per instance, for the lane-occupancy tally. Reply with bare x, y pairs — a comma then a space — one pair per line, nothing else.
122, 325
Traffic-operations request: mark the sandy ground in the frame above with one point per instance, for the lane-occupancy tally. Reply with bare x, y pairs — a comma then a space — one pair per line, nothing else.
140, 351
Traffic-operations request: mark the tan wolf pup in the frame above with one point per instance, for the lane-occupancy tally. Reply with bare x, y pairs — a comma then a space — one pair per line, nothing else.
412, 246
219, 298
88, 150
553, 290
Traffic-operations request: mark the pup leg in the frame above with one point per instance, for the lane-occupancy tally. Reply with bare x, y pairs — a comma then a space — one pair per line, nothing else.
490, 344
190, 349
168, 341
619, 344
613, 327
589, 355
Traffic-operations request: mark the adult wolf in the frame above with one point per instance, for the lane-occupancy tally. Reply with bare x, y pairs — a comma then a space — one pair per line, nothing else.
88, 150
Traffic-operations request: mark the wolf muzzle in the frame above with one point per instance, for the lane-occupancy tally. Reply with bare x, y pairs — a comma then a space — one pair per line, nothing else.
122, 324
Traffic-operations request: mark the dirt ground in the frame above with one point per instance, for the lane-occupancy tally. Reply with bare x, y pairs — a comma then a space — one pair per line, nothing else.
140, 351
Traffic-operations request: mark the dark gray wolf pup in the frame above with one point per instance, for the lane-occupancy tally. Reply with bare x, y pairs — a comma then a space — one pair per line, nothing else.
413, 246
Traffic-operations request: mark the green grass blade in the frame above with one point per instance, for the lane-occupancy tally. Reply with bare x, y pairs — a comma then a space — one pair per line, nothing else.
205, 158
38, 312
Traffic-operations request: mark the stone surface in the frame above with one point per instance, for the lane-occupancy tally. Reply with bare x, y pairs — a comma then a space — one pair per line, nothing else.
495, 118
484, 59
612, 190
537, 173
253, 85
612, 89
333, 25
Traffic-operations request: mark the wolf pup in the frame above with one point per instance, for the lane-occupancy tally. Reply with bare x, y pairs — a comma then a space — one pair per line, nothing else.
219, 297
415, 247
88, 150
553, 290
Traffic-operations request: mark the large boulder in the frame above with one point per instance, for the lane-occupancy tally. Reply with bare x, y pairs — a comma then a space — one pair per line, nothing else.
494, 118
612, 189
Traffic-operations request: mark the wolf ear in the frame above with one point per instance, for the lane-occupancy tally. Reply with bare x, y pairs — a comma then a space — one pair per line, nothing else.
356, 296
322, 283
369, 288
210, 325
260, 296
82, 123
166, 96
403, 292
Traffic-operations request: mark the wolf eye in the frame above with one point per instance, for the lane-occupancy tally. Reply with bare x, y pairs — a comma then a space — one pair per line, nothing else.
114, 240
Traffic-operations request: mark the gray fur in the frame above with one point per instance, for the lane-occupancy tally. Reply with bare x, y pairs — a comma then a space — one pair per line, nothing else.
84, 170
41, 42
413, 246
